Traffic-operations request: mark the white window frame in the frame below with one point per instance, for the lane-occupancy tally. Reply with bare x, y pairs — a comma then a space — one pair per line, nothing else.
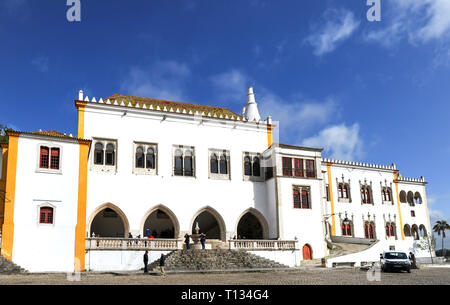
38, 160
219, 153
103, 167
253, 178
38, 218
183, 149
145, 171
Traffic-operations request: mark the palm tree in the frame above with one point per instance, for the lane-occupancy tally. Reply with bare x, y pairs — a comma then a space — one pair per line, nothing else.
441, 226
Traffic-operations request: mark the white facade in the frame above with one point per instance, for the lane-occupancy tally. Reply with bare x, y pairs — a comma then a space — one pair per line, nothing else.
132, 194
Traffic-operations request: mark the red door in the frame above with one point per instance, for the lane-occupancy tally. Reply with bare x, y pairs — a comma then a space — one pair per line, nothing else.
307, 252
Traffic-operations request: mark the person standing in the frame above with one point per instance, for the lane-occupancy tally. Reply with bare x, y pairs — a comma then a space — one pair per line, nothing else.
146, 261
203, 240
187, 241
162, 262
412, 258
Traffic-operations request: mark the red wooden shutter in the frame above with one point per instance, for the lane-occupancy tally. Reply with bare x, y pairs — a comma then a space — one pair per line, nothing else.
43, 160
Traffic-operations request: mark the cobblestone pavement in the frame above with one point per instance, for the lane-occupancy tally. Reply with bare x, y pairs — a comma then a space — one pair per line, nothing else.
319, 276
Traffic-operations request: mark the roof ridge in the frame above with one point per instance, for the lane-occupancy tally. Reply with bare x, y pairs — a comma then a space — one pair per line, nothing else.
150, 100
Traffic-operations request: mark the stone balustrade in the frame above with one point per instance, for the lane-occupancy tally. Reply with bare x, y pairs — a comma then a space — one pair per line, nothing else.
132, 244
258, 244
110, 243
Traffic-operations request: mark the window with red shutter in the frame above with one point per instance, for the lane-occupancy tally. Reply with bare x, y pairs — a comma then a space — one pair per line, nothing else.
305, 199
43, 159
287, 166
297, 199
310, 169
46, 215
298, 165
54, 159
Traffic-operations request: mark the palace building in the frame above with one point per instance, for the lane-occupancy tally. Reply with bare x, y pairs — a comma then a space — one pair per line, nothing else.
142, 167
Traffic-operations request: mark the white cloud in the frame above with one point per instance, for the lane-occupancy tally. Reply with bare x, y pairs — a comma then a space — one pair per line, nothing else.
339, 26
417, 21
231, 86
338, 141
163, 80
41, 63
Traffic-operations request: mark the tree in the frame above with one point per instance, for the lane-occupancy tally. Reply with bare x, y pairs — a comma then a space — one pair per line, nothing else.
441, 226
427, 243
3, 135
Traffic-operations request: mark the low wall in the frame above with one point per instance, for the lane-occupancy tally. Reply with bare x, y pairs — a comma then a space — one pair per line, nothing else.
288, 258
372, 254
118, 260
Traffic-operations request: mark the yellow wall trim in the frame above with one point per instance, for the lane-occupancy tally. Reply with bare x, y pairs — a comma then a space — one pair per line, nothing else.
80, 229
4, 152
398, 204
269, 135
330, 189
81, 107
8, 225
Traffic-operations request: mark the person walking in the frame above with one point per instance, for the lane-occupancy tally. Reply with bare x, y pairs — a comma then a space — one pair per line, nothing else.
162, 262
146, 262
412, 258
187, 241
203, 240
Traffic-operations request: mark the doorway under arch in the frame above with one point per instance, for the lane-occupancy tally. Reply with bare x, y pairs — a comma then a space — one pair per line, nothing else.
252, 225
307, 252
211, 223
108, 221
161, 223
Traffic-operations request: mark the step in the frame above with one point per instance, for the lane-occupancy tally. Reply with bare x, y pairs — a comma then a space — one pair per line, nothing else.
8, 267
215, 259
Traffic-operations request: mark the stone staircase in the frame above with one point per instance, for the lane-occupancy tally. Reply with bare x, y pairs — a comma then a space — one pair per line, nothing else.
345, 248
8, 267
214, 259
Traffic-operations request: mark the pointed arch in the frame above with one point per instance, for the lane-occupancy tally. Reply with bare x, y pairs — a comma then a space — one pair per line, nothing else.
168, 212
216, 215
120, 213
262, 220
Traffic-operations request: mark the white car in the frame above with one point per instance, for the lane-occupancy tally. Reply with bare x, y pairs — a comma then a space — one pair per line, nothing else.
395, 260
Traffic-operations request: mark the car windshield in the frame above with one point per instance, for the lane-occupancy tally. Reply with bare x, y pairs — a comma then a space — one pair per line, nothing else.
395, 255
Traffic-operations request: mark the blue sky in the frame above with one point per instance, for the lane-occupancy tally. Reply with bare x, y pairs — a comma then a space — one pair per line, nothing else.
366, 91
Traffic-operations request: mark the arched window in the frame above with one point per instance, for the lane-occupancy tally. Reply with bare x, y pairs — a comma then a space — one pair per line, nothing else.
422, 231
140, 157
415, 232
388, 231
392, 230
346, 229
188, 165
256, 167
110, 154
371, 230
223, 164
46, 215
388, 195
214, 164
366, 230
417, 198
345, 191
407, 230
150, 158
410, 198
340, 191
365, 194
98, 154
402, 197
247, 166
178, 163
43, 160
383, 195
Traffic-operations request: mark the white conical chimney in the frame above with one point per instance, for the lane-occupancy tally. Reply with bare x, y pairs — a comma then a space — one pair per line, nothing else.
250, 110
